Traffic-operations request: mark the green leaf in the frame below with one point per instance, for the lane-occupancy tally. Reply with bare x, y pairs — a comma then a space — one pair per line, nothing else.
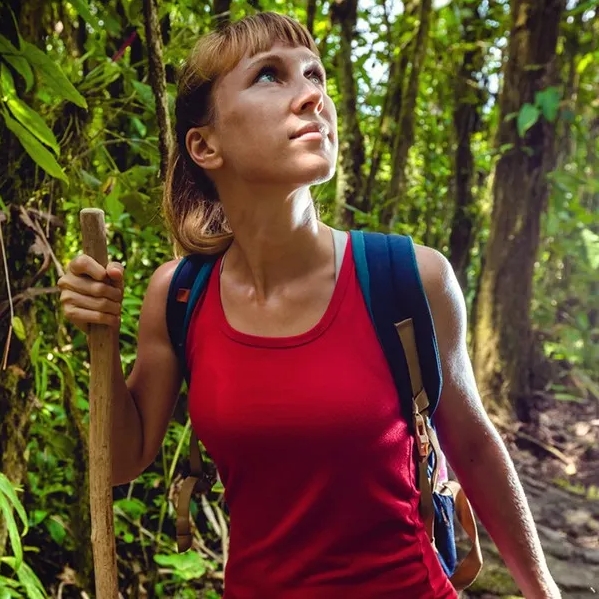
13, 531
63, 446
82, 8
34, 352
527, 117
26, 115
218, 487
114, 207
137, 205
13, 57
89, 179
141, 129
35, 149
34, 123
144, 91
591, 244
19, 328
7, 489
52, 74
548, 101
4, 592
584, 62
28, 579
36, 517
582, 7
31, 583
134, 508
188, 566
56, 530
7, 83
568, 397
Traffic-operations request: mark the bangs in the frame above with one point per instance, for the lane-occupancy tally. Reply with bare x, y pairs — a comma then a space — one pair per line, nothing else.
221, 50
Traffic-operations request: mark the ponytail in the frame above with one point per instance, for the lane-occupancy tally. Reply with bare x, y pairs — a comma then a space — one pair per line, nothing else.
194, 214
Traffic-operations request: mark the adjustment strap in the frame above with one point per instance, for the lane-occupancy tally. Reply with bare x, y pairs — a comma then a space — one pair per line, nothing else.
200, 480
469, 568
184, 536
426, 439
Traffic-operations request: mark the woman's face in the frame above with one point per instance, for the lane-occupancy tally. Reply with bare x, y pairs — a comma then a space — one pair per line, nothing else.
274, 122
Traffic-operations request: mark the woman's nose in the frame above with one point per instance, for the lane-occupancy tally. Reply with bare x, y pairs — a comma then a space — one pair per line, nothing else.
309, 97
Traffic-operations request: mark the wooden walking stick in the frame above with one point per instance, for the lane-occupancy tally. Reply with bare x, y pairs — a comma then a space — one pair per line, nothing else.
101, 348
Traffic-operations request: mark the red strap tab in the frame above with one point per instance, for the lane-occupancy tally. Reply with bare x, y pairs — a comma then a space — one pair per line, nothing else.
183, 295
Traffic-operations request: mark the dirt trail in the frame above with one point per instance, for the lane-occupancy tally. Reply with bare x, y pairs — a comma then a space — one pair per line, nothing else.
569, 529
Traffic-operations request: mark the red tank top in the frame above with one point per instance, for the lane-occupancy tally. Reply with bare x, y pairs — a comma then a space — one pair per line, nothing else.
316, 460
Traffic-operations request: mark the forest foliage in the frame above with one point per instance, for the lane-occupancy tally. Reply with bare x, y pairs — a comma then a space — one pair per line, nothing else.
438, 104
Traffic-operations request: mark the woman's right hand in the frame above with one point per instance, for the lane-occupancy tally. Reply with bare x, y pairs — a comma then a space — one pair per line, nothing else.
92, 294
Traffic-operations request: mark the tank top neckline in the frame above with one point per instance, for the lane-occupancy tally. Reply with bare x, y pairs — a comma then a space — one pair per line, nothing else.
294, 340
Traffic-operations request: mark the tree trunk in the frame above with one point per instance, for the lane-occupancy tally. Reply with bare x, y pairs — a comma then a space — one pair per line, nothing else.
466, 120
502, 333
404, 137
391, 110
351, 142
310, 16
158, 80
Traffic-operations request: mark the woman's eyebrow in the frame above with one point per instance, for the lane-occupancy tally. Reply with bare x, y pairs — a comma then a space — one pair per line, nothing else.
264, 58
274, 58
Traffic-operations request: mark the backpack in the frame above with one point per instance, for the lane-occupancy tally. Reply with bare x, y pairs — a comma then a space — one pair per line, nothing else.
390, 282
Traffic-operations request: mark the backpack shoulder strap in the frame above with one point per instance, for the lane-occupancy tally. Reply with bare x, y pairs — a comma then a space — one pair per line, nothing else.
186, 287
388, 274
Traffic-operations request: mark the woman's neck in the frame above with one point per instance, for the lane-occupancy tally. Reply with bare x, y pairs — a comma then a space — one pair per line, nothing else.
275, 241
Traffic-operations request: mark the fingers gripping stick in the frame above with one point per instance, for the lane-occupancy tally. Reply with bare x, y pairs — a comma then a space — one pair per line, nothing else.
101, 349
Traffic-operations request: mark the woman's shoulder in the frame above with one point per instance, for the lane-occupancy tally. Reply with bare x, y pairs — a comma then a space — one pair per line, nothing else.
433, 266
440, 284
161, 278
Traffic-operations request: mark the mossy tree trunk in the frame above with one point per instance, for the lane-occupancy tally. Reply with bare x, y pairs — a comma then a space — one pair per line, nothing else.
469, 99
351, 142
502, 332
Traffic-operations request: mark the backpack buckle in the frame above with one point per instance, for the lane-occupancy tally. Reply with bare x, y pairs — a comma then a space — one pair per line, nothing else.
422, 440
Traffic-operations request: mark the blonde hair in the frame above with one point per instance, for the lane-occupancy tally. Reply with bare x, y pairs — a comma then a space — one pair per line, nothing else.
194, 214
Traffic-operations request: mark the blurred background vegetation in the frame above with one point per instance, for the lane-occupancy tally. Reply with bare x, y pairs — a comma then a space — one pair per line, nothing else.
471, 125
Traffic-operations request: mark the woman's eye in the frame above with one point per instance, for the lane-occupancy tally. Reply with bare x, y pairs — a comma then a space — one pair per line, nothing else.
267, 74
316, 76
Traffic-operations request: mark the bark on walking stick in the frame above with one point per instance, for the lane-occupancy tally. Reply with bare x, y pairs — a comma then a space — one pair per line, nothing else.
101, 350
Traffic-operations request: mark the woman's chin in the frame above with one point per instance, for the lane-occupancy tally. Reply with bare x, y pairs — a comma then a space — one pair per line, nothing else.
314, 170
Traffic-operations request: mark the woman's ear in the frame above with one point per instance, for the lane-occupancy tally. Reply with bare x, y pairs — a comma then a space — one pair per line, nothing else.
203, 148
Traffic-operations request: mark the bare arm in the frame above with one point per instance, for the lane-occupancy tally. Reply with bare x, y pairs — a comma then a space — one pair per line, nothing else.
142, 405
472, 445
155, 380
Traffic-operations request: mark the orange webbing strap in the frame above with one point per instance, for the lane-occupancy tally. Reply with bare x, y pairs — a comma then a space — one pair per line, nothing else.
184, 535
426, 439
420, 407
469, 568
190, 485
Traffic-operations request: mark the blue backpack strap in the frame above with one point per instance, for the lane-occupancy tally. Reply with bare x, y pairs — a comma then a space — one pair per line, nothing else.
186, 287
388, 274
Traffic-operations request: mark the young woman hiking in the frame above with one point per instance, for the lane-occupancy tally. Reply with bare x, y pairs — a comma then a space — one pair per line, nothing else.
290, 391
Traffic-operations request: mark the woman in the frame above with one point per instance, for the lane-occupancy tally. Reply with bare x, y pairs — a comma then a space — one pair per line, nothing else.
289, 389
